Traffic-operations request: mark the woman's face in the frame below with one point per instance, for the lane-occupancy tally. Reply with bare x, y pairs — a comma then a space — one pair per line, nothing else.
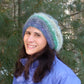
34, 40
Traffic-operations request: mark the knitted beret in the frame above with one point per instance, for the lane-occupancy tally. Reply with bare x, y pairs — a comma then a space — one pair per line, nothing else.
48, 26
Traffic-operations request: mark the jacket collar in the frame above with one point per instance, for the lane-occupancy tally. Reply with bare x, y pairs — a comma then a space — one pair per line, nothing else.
34, 64
24, 61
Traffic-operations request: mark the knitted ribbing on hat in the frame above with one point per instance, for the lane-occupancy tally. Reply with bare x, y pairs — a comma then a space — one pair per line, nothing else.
52, 30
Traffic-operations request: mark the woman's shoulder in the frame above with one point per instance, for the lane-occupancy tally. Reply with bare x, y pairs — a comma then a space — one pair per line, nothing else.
59, 66
63, 73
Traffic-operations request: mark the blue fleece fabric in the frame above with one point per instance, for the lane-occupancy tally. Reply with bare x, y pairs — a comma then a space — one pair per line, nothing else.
60, 74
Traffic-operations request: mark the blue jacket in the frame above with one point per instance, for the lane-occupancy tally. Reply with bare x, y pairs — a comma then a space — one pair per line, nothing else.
60, 74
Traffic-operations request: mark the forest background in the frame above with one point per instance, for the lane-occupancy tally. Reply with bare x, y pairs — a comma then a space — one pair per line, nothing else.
14, 13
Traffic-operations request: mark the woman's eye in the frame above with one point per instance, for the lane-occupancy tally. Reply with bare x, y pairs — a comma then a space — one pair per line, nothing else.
37, 34
27, 32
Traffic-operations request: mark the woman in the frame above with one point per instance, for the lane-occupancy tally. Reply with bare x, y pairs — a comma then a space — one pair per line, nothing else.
38, 62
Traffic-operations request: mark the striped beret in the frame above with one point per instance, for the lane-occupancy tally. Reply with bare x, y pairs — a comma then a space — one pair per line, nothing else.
48, 26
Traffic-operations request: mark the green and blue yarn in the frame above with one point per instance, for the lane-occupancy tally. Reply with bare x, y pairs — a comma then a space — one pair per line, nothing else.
50, 30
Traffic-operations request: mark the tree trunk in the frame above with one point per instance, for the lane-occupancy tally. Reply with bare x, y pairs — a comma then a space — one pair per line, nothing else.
19, 14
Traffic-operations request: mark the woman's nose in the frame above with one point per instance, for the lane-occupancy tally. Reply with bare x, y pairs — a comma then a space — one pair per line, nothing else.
30, 38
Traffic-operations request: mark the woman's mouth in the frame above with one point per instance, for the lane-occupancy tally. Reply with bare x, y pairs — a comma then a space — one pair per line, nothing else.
31, 46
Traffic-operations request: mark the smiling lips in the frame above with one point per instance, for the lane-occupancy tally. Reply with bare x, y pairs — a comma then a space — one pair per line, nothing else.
31, 46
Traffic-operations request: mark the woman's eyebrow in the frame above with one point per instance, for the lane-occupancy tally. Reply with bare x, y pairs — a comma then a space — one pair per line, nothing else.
27, 31
37, 33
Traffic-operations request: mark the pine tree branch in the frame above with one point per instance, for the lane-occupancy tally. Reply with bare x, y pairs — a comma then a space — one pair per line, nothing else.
63, 25
39, 3
77, 13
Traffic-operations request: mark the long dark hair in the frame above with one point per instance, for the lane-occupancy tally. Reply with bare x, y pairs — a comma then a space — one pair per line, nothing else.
45, 58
